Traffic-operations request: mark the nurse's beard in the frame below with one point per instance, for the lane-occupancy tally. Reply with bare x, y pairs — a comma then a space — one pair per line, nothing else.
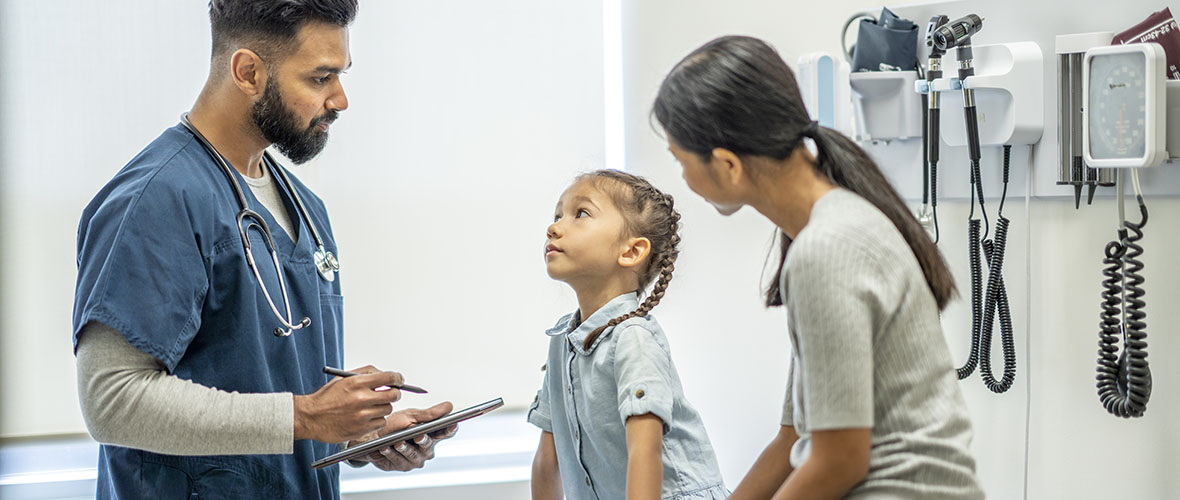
280, 126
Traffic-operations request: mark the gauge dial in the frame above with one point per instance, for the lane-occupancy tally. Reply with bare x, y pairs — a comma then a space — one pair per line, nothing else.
1125, 106
1118, 106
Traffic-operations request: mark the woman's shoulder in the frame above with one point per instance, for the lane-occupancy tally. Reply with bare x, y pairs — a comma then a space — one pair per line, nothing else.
830, 245
844, 212
843, 224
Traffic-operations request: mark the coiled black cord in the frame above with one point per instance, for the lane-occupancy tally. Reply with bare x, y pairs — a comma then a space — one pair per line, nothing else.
1124, 381
984, 306
977, 183
934, 197
997, 297
1007, 163
976, 291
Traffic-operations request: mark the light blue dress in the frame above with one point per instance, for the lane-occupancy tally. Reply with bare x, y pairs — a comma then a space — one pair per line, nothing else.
587, 396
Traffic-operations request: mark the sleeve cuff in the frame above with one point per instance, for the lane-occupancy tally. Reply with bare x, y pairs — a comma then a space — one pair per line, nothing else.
539, 418
274, 416
640, 401
788, 411
285, 415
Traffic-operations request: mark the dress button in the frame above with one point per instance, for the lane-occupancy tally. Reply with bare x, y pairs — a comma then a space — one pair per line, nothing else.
587, 480
639, 393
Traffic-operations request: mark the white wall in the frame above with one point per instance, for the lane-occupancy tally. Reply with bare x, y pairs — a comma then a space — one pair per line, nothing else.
97, 81
466, 122
467, 119
438, 203
733, 356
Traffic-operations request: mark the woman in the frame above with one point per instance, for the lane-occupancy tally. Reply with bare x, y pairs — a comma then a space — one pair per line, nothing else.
873, 407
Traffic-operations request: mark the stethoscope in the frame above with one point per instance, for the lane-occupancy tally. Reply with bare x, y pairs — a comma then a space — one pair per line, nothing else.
325, 262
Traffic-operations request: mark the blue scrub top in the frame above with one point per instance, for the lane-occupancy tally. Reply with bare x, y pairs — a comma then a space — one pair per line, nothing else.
160, 260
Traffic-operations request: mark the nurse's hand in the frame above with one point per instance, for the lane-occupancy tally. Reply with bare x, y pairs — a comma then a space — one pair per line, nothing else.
405, 455
347, 408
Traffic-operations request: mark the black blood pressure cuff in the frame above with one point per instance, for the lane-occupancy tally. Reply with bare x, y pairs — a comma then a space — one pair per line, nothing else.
890, 40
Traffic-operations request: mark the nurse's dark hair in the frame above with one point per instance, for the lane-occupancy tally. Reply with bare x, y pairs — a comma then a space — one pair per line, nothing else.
647, 213
736, 93
269, 26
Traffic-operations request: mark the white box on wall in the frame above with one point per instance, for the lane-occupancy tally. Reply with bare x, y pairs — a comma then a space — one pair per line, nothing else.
885, 105
823, 83
1009, 95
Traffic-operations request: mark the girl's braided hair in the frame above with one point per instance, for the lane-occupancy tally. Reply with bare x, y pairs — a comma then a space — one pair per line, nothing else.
648, 213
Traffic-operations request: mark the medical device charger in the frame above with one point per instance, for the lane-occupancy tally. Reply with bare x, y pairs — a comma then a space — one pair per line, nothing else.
1008, 88
1072, 169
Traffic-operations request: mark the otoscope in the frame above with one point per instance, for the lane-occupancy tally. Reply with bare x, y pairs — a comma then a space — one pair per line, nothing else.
957, 34
930, 147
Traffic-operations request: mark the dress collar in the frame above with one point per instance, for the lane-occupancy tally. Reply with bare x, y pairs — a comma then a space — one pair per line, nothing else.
576, 333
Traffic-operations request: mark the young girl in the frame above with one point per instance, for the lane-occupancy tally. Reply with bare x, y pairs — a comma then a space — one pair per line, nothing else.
615, 421
873, 408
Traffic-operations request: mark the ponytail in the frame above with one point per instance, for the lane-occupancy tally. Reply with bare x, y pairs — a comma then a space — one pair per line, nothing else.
846, 165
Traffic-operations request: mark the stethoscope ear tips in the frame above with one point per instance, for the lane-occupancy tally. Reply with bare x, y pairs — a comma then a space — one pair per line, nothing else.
279, 332
305, 323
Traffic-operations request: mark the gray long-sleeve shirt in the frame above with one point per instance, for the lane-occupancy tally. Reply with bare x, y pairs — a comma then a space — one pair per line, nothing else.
129, 399
868, 352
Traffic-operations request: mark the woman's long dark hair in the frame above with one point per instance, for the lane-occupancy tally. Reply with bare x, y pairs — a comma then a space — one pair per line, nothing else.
736, 93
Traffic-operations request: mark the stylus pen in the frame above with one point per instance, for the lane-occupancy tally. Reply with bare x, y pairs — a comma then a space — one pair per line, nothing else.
405, 387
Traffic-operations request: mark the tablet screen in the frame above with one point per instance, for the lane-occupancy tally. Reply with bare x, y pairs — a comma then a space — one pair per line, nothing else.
409, 433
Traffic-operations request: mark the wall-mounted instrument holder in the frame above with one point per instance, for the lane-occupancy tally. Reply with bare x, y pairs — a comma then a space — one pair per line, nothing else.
1009, 95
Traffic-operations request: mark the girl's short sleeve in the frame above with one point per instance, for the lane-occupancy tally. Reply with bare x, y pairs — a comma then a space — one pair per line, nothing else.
643, 375
539, 414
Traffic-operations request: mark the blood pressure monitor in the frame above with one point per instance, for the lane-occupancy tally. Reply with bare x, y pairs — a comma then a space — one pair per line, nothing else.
1125, 106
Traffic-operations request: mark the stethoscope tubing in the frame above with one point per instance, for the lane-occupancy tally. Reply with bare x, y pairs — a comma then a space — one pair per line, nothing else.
325, 263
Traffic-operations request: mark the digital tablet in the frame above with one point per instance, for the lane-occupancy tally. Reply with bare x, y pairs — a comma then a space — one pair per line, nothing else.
408, 433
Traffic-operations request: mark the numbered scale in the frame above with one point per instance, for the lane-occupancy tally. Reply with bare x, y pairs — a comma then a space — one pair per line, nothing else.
1125, 103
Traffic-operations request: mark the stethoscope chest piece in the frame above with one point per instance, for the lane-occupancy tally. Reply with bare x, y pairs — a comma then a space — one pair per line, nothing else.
326, 263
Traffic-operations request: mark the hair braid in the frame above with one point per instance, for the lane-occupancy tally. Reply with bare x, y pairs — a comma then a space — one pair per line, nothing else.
660, 223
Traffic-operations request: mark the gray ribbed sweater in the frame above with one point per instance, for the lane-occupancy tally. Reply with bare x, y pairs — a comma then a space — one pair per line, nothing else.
868, 352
